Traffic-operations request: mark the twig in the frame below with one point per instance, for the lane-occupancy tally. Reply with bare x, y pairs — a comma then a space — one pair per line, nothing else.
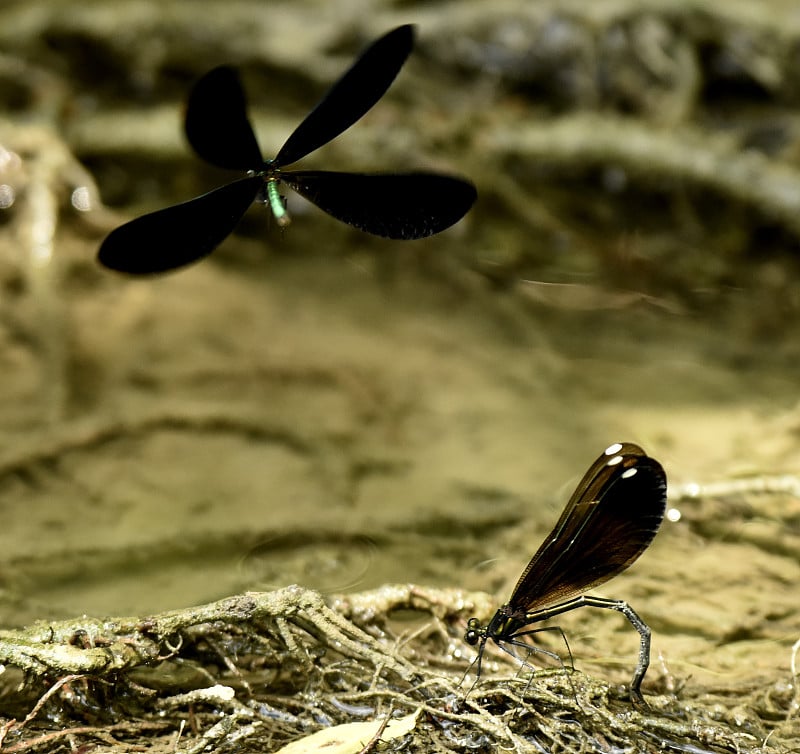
378, 733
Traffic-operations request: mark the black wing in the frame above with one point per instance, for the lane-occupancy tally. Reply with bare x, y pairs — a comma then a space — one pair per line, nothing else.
217, 125
364, 83
178, 235
607, 524
402, 206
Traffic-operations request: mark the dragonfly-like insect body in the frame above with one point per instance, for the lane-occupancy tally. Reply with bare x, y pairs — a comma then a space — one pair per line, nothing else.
607, 524
403, 206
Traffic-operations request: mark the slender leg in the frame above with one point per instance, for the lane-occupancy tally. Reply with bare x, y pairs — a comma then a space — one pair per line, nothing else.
531, 649
621, 607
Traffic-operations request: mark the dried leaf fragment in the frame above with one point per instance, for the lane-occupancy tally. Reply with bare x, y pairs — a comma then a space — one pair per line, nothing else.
350, 738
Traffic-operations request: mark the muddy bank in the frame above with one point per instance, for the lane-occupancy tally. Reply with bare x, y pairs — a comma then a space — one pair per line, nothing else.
319, 407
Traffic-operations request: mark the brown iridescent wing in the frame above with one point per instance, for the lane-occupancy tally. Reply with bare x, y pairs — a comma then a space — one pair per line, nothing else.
402, 206
356, 91
217, 125
608, 522
178, 235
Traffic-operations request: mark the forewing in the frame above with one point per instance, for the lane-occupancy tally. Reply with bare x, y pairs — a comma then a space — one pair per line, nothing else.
608, 522
595, 478
217, 125
364, 83
402, 206
178, 235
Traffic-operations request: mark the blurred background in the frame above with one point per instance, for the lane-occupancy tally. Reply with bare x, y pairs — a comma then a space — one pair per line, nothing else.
314, 405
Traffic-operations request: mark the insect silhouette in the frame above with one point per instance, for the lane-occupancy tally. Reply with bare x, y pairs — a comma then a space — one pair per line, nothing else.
402, 206
607, 524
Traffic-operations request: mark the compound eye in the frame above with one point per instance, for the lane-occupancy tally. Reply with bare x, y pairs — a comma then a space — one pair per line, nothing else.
473, 631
